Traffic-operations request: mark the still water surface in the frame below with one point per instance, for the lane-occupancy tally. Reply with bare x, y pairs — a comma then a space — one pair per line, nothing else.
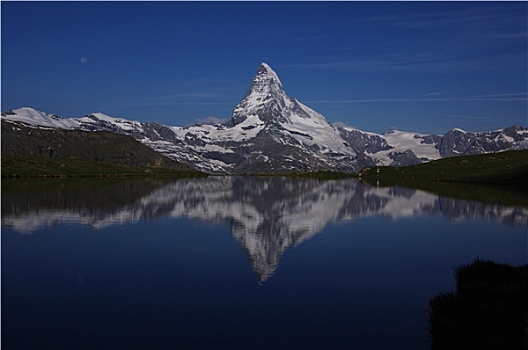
236, 262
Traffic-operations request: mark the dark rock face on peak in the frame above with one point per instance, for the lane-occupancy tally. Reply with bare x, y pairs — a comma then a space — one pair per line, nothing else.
404, 158
266, 81
364, 142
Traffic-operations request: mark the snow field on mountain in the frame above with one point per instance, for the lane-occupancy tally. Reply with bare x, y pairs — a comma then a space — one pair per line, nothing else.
318, 130
123, 124
31, 116
402, 141
244, 131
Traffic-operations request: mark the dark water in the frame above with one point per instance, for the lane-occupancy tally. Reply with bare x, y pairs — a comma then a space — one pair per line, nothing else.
235, 263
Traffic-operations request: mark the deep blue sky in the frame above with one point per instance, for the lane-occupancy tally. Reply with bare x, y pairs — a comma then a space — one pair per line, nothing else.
417, 66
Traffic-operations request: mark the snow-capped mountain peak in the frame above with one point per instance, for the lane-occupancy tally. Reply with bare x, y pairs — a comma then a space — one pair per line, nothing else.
267, 99
271, 114
101, 121
264, 98
266, 76
33, 117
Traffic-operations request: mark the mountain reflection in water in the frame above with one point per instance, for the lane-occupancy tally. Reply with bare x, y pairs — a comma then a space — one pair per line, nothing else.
267, 215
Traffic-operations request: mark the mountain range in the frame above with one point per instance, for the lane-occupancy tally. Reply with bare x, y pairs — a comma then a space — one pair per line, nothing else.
271, 132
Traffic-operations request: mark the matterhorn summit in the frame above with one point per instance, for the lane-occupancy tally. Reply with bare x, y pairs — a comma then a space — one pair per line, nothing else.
265, 82
286, 131
267, 99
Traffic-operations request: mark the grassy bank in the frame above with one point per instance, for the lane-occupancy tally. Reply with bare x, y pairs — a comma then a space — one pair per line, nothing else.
56, 167
508, 168
496, 177
489, 309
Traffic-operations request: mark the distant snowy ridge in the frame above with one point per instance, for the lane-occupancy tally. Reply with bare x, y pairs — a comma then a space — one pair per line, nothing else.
271, 132
32, 117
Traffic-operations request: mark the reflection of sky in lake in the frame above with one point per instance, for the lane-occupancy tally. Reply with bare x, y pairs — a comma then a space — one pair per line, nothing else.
352, 277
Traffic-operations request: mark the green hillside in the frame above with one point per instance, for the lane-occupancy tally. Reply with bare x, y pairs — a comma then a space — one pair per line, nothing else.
30, 151
487, 177
60, 167
504, 168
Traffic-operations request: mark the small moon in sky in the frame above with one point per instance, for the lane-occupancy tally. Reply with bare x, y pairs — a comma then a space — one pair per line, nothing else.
84, 60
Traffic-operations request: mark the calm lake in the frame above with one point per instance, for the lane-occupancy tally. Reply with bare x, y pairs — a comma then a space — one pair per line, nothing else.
236, 262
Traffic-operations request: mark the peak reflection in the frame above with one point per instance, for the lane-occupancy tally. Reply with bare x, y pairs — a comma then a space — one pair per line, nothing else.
267, 215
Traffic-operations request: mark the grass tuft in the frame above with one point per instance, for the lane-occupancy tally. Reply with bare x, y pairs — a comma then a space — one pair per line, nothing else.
488, 311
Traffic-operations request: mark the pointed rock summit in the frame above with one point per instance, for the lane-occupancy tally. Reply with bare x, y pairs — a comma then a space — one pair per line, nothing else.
283, 131
265, 82
267, 100
265, 97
